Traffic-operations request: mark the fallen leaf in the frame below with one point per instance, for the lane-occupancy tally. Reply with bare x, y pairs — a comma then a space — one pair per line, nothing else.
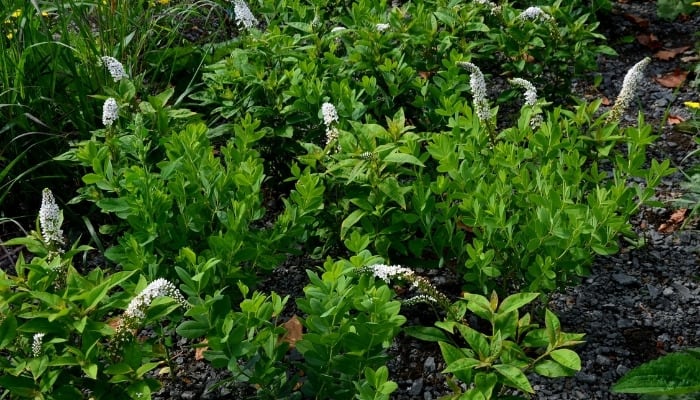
637, 20
673, 79
692, 58
199, 351
164, 371
649, 40
674, 221
425, 74
605, 101
668, 54
675, 119
294, 331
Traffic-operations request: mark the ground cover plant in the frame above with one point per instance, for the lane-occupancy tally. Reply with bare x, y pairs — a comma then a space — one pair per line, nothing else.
361, 134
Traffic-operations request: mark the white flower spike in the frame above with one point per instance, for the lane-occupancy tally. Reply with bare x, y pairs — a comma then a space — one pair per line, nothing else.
160, 287
629, 87
116, 69
50, 219
382, 27
533, 13
110, 112
37, 341
478, 85
244, 17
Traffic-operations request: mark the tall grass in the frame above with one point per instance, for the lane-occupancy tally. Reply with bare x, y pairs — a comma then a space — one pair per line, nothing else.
51, 79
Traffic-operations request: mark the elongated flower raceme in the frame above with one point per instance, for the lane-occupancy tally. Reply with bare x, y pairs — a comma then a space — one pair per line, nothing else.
37, 342
382, 27
50, 220
330, 117
629, 88
160, 287
110, 112
530, 98
428, 292
115, 68
478, 86
534, 13
244, 17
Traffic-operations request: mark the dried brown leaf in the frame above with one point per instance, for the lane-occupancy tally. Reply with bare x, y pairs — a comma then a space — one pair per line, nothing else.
649, 40
199, 351
605, 101
675, 119
674, 222
673, 79
669, 54
294, 331
637, 20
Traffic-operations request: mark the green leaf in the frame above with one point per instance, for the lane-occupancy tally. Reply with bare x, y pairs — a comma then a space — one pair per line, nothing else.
567, 358
552, 369
8, 331
402, 158
192, 329
514, 377
552, 326
461, 364
90, 370
516, 301
676, 373
479, 305
349, 221
426, 333
390, 187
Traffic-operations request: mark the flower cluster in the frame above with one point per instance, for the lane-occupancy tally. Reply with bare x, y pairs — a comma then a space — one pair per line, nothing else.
244, 17
429, 293
115, 68
629, 87
389, 272
50, 219
330, 117
110, 112
478, 86
530, 98
495, 8
37, 341
382, 27
534, 13
136, 311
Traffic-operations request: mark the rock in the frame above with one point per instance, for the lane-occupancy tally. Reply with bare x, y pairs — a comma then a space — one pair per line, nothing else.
416, 387
429, 364
625, 280
188, 395
668, 291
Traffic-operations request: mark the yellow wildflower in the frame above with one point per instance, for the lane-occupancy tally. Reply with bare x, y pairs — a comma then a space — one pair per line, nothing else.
164, 2
10, 35
696, 3
692, 104
17, 13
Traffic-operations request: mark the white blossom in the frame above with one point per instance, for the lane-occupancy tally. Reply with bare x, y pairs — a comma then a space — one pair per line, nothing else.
421, 298
533, 13
244, 17
330, 115
495, 8
37, 341
382, 27
478, 86
629, 87
530, 90
50, 219
160, 287
389, 272
110, 112
116, 69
